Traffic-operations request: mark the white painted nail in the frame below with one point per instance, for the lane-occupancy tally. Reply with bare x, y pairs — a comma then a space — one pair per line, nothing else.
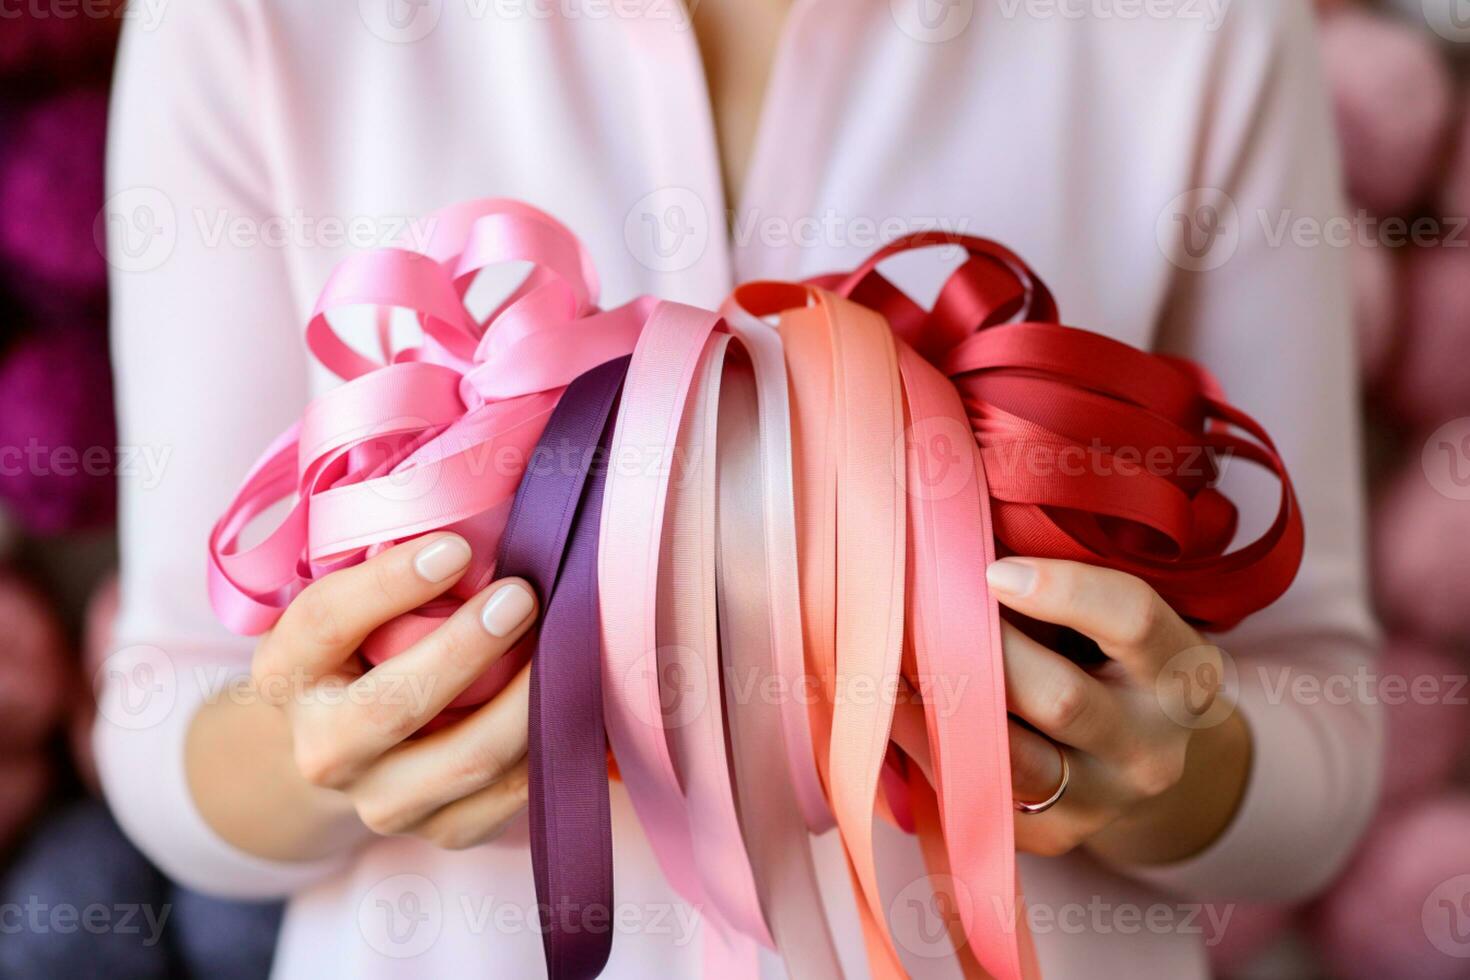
507, 610
442, 558
1011, 577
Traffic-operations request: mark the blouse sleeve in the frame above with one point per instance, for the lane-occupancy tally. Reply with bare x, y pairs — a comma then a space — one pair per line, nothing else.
209, 368
1269, 314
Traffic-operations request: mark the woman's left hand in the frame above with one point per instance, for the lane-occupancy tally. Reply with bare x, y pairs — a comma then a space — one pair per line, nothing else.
1158, 756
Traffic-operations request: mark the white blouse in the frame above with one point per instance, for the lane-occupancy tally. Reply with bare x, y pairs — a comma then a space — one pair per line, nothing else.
256, 142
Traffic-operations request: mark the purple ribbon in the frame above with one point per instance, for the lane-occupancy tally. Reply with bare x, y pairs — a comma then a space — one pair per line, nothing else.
551, 540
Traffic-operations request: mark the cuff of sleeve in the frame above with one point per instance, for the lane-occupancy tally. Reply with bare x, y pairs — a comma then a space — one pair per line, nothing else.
1293, 827
144, 713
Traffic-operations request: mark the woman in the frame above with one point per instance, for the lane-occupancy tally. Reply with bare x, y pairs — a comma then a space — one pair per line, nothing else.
252, 139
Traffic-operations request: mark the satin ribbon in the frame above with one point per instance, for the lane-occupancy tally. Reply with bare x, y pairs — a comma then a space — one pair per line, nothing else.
1148, 427
432, 434
681, 615
551, 541
810, 508
1024, 382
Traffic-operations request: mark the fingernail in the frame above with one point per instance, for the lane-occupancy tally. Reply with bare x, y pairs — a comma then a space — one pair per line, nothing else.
507, 610
442, 558
1011, 576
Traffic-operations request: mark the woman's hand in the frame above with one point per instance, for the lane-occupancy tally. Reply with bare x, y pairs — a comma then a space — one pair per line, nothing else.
338, 751
1158, 760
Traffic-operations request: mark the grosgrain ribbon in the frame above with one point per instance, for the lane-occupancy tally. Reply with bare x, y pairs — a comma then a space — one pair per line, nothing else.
1021, 382
808, 509
1147, 427
551, 541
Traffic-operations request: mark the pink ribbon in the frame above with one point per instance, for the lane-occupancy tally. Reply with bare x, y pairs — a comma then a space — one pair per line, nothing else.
433, 434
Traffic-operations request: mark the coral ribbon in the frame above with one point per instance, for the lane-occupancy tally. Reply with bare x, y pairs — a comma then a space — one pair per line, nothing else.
783, 559
1094, 451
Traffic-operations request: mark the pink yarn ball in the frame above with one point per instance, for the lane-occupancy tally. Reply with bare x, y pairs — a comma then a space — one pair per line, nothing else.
1396, 911
1455, 195
1392, 94
33, 667
1431, 374
1422, 562
1250, 930
81, 41
51, 192
57, 437
25, 781
1424, 693
1375, 303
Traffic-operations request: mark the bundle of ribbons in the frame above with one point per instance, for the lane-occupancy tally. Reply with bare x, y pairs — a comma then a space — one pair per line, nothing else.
735, 520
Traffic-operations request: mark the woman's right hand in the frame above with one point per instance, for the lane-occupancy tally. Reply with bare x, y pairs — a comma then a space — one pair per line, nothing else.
346, 730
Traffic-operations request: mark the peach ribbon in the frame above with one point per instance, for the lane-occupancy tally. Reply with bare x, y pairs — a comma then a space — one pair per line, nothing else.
880, 551
672, 665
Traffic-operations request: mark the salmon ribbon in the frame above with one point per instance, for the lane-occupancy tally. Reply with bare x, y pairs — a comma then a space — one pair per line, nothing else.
927, 442
760, 539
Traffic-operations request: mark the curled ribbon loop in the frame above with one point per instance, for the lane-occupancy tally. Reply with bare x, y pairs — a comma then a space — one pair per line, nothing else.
1094, 451
808, 509
436, 433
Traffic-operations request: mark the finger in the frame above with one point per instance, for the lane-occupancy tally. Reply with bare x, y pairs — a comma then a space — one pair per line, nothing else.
402, 694
481, 817
414, 780
1126, 617
1087, 806
1036, 764
328, 621
1058, 698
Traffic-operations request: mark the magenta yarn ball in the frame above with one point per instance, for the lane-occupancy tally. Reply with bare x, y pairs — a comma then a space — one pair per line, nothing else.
60, 40
1375, 304
1430, 382
25, 782
57, 437
34, 667
1392, 94
1424, 692
51, 193
1422, 564
1403, 907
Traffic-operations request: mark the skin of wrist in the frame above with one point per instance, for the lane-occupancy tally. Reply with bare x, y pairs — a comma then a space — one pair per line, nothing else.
245, 784
1187, 819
